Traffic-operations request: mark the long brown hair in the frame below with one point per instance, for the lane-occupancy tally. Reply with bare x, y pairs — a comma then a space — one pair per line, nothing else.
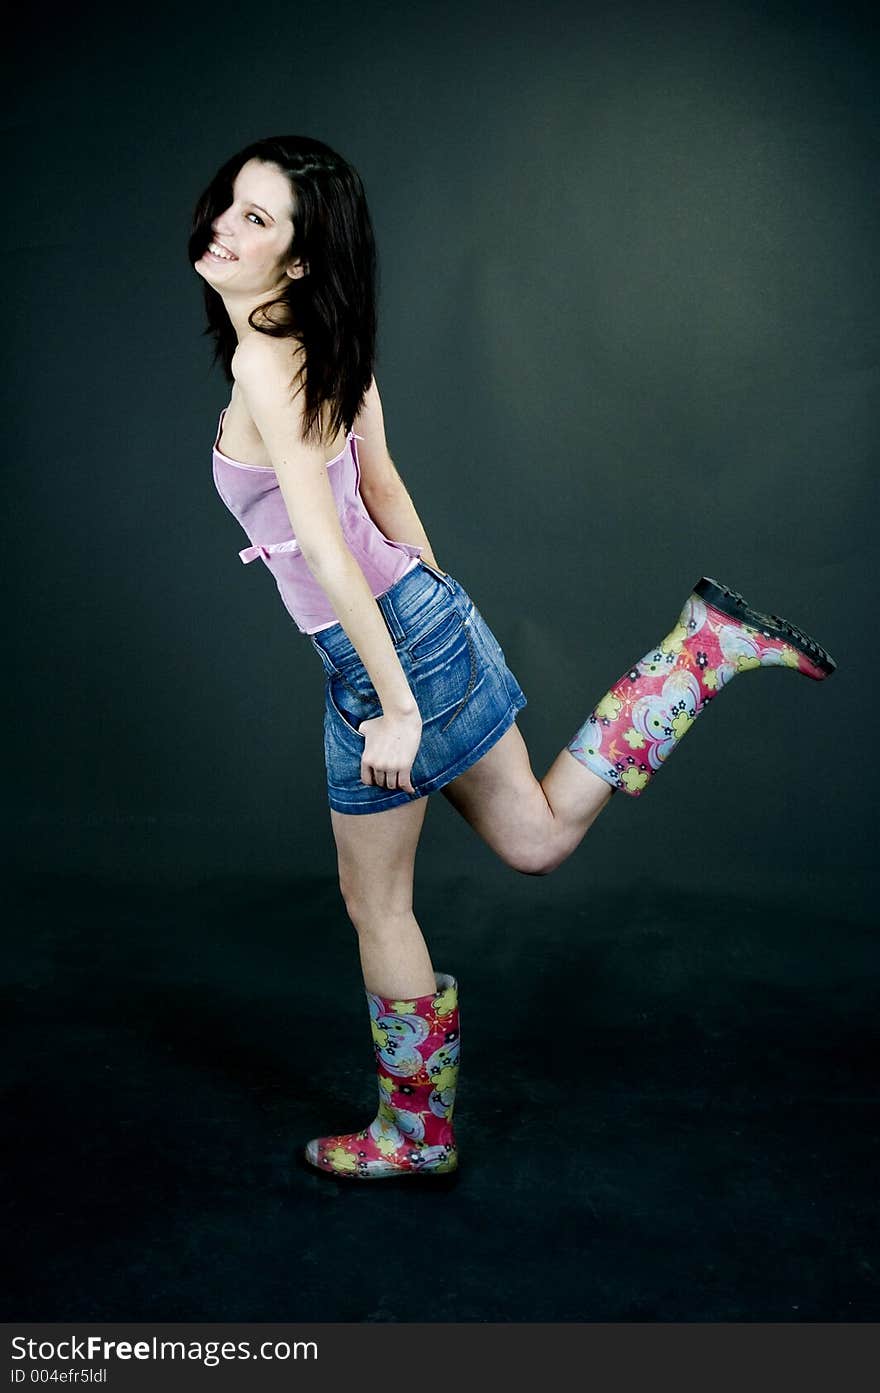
332, 309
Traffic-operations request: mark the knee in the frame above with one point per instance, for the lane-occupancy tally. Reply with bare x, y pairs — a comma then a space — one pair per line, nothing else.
369, 915
534, 860
354, 889
541, 868
355, 905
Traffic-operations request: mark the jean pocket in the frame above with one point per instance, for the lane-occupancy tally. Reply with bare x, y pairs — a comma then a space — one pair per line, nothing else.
437, 636
349, 672
444, 669
351, 706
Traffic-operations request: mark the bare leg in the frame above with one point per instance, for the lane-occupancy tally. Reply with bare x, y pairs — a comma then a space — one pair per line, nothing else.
410, 1009
376, 857
532, 824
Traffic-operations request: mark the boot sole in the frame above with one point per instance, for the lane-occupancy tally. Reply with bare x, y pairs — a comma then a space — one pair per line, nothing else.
731, 603
435, 1180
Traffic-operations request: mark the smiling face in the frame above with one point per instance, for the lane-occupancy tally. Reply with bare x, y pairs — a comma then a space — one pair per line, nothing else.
253, 234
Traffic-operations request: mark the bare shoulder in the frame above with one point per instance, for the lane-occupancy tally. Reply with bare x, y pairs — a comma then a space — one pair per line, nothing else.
260, 354
265, 370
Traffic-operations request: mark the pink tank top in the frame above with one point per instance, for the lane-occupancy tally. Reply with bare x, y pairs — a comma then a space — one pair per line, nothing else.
252, 494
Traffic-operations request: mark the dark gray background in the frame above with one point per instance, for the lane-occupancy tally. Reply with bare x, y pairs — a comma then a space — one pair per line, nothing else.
627, 336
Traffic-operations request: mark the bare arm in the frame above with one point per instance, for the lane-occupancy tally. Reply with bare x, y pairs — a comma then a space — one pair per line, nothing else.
382, 488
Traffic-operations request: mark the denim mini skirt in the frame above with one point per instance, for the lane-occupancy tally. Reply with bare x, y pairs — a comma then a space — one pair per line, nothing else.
466, 694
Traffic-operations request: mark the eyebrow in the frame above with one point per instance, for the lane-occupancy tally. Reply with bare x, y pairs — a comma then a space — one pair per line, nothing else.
257, 205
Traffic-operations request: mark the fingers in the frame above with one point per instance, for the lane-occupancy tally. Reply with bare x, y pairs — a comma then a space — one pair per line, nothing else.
383, 776
387, 778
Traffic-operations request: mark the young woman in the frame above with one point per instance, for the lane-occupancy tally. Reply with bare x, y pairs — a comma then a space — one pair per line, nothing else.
418, 694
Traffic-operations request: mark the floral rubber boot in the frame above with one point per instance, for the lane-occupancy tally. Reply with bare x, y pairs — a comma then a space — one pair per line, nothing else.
416, 1043
638, 723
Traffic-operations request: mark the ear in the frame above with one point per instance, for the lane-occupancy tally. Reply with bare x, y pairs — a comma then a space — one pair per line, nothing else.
297, 270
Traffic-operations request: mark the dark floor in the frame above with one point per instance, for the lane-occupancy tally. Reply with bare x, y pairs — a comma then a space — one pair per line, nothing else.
667, 1110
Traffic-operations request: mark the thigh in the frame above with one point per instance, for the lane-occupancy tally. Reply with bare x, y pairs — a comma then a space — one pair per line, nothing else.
376, 854
504, 802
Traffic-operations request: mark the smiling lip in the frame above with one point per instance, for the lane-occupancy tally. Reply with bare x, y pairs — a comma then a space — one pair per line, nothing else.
217, 243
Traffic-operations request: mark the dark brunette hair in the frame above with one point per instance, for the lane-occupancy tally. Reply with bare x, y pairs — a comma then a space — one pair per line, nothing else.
331, 309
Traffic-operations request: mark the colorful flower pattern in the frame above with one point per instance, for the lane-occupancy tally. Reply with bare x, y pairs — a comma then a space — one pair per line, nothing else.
635, 727
416, 1044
